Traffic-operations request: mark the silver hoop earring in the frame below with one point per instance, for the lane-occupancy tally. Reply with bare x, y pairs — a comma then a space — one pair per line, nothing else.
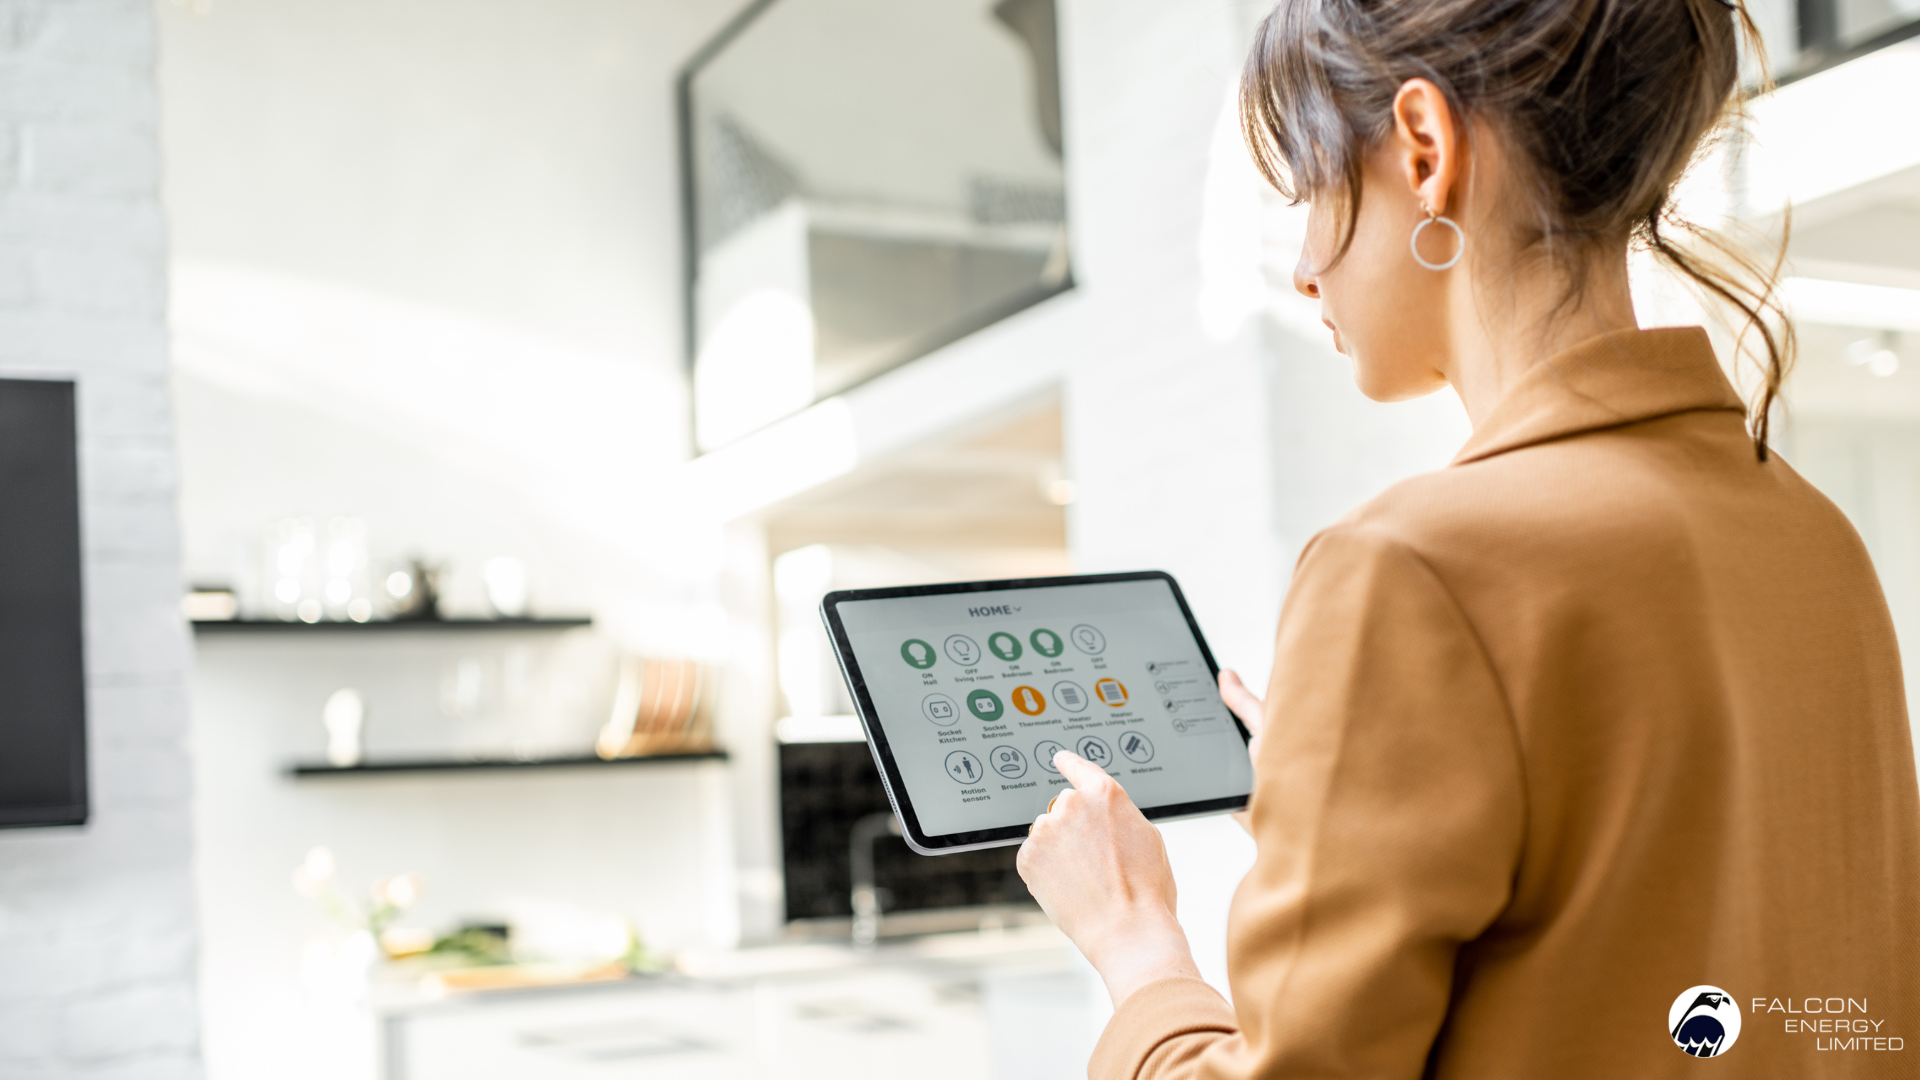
1458, 235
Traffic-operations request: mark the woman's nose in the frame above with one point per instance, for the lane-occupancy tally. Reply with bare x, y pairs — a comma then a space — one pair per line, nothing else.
1304, 281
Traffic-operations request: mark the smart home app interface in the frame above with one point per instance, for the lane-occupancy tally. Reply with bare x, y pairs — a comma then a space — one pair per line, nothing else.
978, 691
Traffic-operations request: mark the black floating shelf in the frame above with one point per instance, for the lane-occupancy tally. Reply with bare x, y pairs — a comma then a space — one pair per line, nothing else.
241, 626
443, 765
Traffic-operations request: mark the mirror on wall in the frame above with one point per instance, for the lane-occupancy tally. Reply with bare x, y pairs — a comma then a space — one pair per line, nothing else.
836, 232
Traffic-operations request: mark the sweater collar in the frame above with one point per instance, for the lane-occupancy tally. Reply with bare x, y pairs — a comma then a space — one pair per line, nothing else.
1606, 381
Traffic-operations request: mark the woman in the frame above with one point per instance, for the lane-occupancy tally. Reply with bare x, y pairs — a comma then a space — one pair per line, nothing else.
1593, 745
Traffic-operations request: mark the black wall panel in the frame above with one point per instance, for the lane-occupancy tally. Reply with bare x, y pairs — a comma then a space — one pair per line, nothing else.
43, 705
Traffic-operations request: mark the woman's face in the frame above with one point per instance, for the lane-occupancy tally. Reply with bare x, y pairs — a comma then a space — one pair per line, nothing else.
1388, 313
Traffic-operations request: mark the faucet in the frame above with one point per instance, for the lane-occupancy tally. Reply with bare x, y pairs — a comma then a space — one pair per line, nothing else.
866, 899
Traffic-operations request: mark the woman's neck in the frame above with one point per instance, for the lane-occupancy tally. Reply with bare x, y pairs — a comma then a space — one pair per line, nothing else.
1499, 333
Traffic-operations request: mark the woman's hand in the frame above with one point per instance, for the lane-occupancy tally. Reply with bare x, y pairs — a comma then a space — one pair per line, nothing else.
1253, 713
1100, 871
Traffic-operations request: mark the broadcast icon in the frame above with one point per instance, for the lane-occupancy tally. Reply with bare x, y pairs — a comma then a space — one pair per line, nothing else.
1008, 762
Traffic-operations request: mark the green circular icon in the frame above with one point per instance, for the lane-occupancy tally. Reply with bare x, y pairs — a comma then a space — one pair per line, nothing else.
918, 653
1005, 646
985, 704
1047, 643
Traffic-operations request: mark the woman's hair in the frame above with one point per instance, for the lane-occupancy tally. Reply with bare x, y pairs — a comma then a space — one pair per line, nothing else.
1604, 103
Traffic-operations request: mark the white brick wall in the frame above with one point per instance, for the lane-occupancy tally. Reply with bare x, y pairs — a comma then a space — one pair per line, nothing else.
97, 934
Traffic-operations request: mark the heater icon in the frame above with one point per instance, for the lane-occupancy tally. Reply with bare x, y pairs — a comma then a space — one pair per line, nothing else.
1069, 695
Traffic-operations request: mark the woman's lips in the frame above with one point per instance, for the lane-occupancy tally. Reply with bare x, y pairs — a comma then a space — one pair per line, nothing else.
1336, 336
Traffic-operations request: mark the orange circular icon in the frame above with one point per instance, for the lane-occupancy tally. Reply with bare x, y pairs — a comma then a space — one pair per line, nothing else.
1028, 700
1111, 691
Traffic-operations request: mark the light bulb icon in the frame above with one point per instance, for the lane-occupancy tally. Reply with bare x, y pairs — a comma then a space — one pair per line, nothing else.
963, 650
917, 653
1088, 639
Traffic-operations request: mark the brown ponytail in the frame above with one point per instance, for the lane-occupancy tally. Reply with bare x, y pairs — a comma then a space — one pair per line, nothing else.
1606, 101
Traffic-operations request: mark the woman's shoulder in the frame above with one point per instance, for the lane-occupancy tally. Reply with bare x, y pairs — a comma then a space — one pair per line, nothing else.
1614, 503
1521, 499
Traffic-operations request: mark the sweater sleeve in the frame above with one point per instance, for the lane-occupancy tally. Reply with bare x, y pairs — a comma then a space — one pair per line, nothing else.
1388, 814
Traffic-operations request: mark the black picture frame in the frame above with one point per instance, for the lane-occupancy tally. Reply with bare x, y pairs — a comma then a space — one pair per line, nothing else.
890, 775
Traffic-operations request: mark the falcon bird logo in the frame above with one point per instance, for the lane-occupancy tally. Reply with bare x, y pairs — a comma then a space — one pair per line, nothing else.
1704, 1021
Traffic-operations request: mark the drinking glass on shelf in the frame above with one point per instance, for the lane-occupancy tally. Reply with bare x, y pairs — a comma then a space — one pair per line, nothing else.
292, 569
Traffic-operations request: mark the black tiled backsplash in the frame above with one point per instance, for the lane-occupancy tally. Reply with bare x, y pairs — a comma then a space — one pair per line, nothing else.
824, 789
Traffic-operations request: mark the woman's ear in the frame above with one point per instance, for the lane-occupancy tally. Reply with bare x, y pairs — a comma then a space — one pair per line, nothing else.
1427, 144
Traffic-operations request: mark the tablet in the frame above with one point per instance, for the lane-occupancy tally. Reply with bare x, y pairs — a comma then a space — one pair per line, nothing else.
967, 691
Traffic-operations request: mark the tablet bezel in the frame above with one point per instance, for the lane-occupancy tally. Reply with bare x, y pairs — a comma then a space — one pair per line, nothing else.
890, 776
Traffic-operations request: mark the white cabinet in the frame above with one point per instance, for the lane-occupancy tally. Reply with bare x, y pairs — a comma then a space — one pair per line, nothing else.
1028, 1016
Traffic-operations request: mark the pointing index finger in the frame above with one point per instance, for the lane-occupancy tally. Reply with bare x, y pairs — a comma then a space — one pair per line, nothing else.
1078, 770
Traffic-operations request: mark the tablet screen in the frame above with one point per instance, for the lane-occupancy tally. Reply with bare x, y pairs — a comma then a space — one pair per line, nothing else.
975, 691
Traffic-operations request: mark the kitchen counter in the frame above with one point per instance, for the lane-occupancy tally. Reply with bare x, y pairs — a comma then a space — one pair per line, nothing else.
1005, 1004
